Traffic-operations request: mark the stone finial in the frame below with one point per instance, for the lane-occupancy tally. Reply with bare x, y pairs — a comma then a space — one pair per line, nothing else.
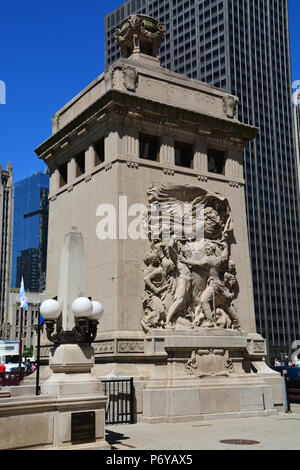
140, 34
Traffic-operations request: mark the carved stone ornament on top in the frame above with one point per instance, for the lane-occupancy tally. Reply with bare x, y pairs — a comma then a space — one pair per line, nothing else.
140, 33
231, 106
130, 78
190, 280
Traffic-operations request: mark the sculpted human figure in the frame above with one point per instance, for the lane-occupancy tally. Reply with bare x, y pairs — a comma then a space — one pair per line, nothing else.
157, 285
216, 294
178, 250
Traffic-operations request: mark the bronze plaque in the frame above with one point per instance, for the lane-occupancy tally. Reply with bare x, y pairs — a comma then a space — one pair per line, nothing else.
83, 427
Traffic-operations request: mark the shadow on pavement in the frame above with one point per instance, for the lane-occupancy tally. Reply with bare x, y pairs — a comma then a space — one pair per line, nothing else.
115, 438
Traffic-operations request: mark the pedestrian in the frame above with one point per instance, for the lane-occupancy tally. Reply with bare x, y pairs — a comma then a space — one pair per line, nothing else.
28, 366
33, 367
2, 367
277, 363
286, 361
298, 362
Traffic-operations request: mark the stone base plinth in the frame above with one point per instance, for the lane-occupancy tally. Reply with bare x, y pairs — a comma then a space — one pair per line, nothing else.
45, 421
184, 375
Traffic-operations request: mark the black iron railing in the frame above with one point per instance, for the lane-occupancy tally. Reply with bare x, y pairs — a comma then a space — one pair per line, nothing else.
120, 401
8, 379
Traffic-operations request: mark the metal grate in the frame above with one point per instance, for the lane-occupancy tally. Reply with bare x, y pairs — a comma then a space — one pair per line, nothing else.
240, 442
120, 401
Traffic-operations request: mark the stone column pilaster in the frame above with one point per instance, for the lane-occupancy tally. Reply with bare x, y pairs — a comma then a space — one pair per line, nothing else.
131, 142
72, 170
54, 181
233, 164
167, 151
200, 156
90, 158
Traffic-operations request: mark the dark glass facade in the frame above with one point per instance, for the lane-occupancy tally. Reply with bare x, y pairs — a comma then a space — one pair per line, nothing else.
31, 232
243, 47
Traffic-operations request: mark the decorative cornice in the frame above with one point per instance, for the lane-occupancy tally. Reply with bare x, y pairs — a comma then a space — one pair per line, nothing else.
234, 184
202, 178
120, 103
168, 171
108, 166
131, 164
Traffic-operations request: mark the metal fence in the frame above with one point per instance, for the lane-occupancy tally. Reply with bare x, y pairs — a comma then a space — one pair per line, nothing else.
120, 401
8, 379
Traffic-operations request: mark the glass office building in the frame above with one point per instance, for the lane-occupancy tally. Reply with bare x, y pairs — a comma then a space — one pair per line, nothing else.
30, 232
243, 47
297, 129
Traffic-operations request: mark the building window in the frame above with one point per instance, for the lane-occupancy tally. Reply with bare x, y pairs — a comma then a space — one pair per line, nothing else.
184, 154
80, 163
216, 161
99, 151
149, 147
63, 173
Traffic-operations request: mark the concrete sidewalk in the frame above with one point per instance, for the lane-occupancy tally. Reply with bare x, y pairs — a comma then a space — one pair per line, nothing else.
280, 432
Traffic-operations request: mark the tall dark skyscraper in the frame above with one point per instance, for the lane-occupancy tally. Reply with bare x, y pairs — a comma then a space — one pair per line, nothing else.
31, 232
243, 46
297, 129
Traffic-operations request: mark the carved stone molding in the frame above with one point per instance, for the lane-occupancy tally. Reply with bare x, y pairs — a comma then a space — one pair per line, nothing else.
230, 106
102, 117
234, 184
65, 145
204, 133
88, 178
131, 346
167, 171
209, 363
259, 346
70, 188
202, 178
130, 78
108, 166
104, 347
53, 198
189, 127
133, 165
109, 78
45, 351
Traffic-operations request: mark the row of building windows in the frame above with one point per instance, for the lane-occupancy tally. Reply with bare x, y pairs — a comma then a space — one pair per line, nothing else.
149, 149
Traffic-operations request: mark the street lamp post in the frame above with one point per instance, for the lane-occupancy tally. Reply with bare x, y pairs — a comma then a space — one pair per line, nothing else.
87, 314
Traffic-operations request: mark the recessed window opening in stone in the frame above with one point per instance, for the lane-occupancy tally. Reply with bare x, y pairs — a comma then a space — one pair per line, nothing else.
149, 147
216, 161
63, 172
99, 151
184, 154
80, 163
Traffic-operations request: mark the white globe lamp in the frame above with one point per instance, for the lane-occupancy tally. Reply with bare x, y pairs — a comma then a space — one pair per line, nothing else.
82, 308
50, 309
97, 311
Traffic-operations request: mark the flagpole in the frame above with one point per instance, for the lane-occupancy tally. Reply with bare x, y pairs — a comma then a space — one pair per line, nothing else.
37, 385
21, 333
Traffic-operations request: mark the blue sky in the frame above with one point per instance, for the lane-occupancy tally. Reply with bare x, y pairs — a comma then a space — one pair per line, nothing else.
49, 52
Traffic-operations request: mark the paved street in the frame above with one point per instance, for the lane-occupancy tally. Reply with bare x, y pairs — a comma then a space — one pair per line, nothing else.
272, 433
